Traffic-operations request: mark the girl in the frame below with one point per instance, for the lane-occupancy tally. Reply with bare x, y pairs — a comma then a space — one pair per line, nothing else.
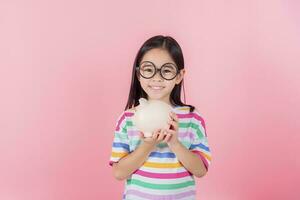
163, 166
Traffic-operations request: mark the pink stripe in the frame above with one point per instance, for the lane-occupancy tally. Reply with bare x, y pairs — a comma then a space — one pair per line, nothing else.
125, 114
161, 197
200, 119
202, 158
162, 175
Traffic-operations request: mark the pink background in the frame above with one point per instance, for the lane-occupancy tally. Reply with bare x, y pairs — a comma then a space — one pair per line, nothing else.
65, 75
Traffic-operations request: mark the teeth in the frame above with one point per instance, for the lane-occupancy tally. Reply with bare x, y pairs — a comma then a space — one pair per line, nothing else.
156, 87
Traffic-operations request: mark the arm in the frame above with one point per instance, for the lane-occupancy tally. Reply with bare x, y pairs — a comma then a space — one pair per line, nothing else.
189, 160
128, 164
124, 162
192, 159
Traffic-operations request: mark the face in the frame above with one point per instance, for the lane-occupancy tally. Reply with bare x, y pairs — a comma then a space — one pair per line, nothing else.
157, 87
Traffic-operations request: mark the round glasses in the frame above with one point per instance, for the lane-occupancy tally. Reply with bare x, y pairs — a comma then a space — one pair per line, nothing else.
148, 70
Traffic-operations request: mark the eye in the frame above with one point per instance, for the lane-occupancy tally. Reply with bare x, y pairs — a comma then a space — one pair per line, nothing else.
147, 69
167, 71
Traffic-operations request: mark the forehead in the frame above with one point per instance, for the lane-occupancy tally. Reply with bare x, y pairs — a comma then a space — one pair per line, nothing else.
157, 56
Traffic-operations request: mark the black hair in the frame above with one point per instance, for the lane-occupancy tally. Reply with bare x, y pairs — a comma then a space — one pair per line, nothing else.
163, 42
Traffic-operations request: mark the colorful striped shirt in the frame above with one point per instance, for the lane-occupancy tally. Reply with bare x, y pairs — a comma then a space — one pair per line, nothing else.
162, 176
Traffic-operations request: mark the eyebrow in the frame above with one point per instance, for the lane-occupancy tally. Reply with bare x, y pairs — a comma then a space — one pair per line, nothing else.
168, 66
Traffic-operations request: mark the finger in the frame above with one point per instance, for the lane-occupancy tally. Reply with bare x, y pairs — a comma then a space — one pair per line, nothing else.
171, 132
167, 138
155, 135
170, 116
174, 116
165, 131
174, 124
161, 136
170, 136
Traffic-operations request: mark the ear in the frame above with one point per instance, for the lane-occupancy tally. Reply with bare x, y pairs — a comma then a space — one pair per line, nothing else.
180, 76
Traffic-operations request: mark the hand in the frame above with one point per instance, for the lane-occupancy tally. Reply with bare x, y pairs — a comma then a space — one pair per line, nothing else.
171, 130
156, 138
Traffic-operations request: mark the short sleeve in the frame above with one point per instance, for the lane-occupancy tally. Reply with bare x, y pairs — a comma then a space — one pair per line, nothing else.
199, 144
120, 144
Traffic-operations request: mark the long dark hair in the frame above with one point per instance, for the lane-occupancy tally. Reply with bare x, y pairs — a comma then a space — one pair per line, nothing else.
163, 42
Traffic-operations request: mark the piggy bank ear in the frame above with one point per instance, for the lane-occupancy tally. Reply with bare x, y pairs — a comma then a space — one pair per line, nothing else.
143, 102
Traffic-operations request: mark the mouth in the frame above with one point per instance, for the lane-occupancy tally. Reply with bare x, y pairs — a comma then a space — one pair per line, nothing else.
157, 88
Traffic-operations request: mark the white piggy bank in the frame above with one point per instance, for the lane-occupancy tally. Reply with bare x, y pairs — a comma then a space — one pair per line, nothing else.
151, 115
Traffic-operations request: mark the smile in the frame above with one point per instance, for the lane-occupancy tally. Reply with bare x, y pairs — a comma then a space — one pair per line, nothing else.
156, 87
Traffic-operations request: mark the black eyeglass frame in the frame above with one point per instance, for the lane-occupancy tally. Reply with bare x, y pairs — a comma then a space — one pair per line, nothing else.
156, 70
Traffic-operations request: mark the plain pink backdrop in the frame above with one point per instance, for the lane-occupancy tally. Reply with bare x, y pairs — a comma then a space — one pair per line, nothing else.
65, 75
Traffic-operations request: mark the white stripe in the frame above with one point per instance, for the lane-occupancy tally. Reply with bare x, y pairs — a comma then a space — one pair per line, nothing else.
114, 159
133, 197
119, 150
162, 160
120, 140
123, 122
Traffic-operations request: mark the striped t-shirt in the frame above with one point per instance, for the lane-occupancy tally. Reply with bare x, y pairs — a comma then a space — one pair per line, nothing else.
162, 176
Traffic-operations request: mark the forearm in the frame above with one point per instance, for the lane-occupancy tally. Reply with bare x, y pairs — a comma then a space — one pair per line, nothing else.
128, 164
189, 160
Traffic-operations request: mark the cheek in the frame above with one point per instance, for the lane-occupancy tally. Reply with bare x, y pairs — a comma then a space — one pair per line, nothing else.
144, 83
170, 86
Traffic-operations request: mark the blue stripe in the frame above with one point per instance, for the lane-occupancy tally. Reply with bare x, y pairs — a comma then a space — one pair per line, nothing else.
202, 146
122, 145
162, 155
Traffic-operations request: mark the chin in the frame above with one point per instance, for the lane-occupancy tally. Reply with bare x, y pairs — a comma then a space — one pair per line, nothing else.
156, 97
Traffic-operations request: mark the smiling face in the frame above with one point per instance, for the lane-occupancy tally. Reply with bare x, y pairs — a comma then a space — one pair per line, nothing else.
157, 87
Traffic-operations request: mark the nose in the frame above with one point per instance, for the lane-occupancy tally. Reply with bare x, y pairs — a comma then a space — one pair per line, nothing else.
157, 76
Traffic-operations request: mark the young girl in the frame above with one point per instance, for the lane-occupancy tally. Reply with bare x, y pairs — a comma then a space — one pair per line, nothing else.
163, 166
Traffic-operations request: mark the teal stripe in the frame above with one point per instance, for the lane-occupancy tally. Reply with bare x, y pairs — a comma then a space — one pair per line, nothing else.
198, 132
160, 186
135, 142
162, 145
121, 137
128, 124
